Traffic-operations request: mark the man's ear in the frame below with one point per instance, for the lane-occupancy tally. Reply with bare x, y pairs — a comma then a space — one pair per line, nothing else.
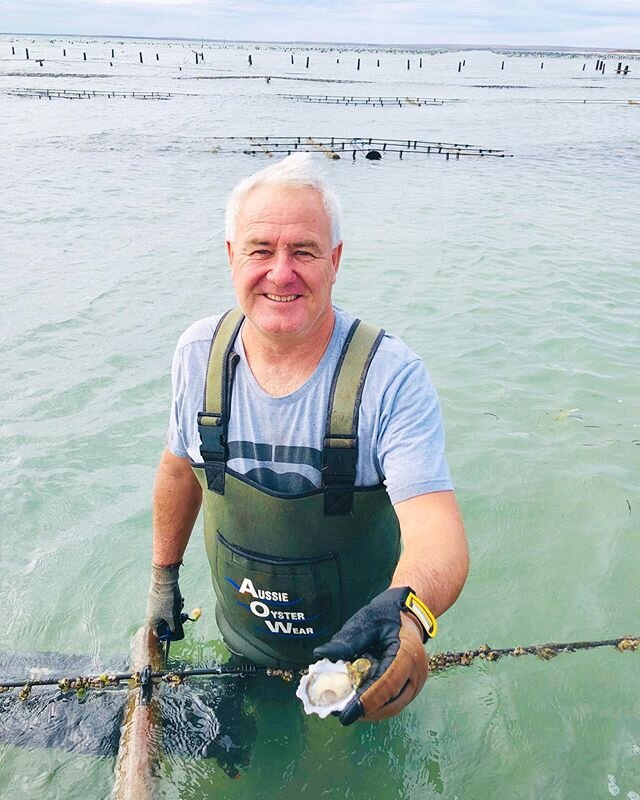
230, 252
336, 255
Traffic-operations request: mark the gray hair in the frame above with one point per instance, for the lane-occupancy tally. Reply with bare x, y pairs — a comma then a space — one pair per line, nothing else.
297, 170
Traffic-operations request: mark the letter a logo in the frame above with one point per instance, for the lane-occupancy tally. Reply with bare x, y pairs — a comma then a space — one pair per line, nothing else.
247, 586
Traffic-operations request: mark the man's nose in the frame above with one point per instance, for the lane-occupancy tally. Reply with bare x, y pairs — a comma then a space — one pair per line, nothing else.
281, 268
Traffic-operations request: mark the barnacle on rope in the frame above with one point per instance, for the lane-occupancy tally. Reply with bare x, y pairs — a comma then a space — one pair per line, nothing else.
284, 674
628, 644
173, 679
24, 693
546, 653
64, 684
518, 651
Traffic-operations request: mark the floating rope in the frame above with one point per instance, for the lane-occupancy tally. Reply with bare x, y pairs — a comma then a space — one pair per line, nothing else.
442, 661
437, 663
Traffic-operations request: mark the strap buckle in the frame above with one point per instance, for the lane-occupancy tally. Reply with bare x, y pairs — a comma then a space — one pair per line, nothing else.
213, 449
339, 476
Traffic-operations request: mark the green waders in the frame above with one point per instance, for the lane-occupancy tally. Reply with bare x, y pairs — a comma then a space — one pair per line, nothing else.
288, 571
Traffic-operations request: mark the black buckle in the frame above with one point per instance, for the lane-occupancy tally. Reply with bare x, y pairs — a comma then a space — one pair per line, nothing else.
338, 479
213, 449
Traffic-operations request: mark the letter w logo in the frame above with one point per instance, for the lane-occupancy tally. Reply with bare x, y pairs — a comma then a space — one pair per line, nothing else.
278, 627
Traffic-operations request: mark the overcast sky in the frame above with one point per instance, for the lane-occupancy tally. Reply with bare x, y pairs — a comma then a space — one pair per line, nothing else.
575, 23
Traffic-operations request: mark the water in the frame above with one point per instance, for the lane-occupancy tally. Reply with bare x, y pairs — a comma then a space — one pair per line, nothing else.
517, 280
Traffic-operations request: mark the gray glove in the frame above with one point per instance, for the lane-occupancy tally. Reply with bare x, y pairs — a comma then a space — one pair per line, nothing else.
165, 603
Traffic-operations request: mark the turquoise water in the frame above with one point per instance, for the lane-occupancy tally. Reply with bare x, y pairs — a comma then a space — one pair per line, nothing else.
517, 280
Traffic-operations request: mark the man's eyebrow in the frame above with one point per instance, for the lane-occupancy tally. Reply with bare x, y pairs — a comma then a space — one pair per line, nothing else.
307, 244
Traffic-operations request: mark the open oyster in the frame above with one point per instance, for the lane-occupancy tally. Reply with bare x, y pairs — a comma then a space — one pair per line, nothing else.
329, 686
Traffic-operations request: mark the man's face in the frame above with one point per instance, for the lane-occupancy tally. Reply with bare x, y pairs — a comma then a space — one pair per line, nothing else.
282, 262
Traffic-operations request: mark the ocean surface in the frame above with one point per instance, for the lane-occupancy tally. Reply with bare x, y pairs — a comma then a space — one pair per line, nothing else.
518, 281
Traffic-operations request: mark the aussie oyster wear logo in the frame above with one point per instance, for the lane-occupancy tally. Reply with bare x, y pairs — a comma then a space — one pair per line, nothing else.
278, 621
289, 568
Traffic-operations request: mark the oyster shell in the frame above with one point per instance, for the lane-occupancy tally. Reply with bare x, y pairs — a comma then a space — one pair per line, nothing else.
329, 686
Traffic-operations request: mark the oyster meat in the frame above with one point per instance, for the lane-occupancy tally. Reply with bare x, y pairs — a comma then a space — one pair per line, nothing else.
329, 686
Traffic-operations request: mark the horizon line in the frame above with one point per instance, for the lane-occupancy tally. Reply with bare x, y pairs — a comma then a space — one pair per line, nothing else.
404, 45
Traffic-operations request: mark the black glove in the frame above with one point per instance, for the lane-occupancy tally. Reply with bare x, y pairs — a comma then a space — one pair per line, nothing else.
165, 603
387, 631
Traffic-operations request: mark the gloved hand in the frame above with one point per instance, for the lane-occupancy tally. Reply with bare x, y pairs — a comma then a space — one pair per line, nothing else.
165, 603
393, 637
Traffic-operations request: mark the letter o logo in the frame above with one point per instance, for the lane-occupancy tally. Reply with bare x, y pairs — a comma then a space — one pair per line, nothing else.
259, 609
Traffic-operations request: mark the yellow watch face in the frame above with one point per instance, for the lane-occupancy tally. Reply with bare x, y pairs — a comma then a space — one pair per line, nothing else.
417, 607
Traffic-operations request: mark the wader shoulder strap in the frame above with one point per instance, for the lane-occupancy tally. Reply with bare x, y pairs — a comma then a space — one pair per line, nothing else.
213, 422
340, 454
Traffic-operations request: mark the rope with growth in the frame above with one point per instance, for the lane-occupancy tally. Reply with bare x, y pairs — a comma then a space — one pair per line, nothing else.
437, 663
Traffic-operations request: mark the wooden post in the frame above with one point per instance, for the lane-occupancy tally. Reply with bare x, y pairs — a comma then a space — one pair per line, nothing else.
619, 70
84, 56
459, 65
26, 50
113, 55
157, 57
307, 62
141, 61
626, 70
502, 67
378, 62
358, 67
250, 60
64, 53
542, 65
584, 67
408, 63
13, 51
420, 62
292, 58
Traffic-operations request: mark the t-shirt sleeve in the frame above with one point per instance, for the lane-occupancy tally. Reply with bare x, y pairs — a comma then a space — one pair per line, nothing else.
175, 441
410, 444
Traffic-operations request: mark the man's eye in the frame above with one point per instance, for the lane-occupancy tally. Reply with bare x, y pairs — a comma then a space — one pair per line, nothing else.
304, 253
260, 252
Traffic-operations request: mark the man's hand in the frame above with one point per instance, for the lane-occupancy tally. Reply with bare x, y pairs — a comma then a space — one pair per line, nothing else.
164, 602
393, 638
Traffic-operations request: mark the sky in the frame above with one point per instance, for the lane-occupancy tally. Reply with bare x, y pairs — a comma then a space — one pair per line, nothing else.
570, 23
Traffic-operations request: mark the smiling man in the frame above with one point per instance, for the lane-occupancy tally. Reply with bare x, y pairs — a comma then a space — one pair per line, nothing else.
315, 444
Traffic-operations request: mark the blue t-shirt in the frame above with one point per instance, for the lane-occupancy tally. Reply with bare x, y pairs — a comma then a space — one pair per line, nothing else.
277, 441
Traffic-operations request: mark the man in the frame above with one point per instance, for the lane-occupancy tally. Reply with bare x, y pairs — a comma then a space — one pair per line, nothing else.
316, 445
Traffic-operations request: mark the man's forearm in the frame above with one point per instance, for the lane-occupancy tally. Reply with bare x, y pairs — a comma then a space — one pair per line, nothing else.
435, 558
176, 502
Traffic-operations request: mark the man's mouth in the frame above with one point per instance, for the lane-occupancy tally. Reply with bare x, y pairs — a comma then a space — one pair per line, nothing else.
282, 298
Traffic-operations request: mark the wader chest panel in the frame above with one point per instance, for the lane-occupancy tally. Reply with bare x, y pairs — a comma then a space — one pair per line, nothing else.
289, 571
